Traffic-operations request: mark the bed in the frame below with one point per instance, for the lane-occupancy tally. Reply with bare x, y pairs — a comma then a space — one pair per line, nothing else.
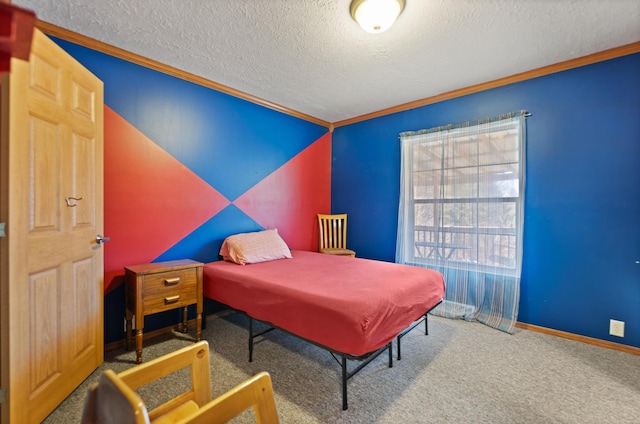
352, 307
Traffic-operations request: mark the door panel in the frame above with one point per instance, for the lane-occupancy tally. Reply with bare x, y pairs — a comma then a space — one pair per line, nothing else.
44, 326
52, 287
83, 151
44, 138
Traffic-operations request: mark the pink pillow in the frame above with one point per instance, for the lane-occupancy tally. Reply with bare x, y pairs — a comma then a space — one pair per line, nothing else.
250, 248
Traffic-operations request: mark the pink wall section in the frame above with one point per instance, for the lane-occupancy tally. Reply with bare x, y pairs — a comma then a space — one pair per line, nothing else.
152, 201
290, 198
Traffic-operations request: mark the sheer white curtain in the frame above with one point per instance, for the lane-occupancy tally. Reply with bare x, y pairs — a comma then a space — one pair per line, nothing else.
461, 212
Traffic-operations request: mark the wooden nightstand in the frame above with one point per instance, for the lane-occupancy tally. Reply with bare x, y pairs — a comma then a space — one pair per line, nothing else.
162, 286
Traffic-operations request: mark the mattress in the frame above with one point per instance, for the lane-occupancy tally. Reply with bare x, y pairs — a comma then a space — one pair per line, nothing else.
350, 305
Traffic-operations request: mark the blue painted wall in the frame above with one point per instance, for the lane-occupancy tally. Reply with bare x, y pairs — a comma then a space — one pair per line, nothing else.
582, 210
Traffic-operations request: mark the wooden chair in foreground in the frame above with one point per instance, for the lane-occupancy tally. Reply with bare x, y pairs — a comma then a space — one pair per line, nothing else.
333, 235
114, 400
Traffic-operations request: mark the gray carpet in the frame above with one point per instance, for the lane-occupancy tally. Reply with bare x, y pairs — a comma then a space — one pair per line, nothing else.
461, 372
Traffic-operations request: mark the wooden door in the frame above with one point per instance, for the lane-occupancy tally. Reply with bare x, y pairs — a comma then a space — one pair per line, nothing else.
51, 269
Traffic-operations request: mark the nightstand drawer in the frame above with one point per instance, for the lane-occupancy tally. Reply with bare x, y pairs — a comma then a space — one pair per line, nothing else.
170, 299
166, 282
169, 290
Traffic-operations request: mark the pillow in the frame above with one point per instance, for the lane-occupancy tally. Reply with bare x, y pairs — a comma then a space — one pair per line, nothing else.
251, 248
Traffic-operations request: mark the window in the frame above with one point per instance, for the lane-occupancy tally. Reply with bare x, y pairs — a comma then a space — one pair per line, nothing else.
462, 196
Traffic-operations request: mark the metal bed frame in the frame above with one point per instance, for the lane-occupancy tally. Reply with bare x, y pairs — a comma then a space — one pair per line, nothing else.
340, 357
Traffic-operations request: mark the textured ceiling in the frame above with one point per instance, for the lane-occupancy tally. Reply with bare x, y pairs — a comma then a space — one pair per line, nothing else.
310, 56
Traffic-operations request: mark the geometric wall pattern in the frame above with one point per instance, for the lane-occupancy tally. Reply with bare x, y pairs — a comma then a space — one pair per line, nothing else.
153, 201
150, 199
291, 196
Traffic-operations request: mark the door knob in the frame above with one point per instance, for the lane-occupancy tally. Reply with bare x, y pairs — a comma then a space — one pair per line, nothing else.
100, 239
69, 199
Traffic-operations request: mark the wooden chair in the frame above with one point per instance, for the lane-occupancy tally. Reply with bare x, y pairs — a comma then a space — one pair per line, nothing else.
333, 235
114, 400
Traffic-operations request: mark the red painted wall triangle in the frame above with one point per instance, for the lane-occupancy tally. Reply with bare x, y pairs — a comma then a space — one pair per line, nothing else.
290, 198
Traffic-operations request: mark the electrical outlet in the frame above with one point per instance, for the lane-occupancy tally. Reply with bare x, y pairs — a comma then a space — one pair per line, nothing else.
616, 328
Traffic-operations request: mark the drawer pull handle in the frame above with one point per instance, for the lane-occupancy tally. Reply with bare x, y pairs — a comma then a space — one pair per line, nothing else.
171, 281
171, 299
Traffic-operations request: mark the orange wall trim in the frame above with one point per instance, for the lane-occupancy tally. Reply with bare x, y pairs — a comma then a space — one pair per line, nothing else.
91, 43
589, 340
94, 44
535, 73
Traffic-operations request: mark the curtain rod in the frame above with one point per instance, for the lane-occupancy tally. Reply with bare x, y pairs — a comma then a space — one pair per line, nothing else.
508, 115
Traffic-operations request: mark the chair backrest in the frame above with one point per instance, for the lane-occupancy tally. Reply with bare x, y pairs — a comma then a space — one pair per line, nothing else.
114, 400
120, 389
194, 356
333, 231
256, 393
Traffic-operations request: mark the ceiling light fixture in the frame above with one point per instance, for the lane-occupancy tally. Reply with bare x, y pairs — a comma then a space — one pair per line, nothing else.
376, 15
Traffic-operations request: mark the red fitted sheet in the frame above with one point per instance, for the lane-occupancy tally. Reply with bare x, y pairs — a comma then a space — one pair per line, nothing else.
350, 305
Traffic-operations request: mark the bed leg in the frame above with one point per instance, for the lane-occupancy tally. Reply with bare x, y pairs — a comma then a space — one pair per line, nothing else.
426, 324
390, 354
399, 349
250, 339
344, 383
